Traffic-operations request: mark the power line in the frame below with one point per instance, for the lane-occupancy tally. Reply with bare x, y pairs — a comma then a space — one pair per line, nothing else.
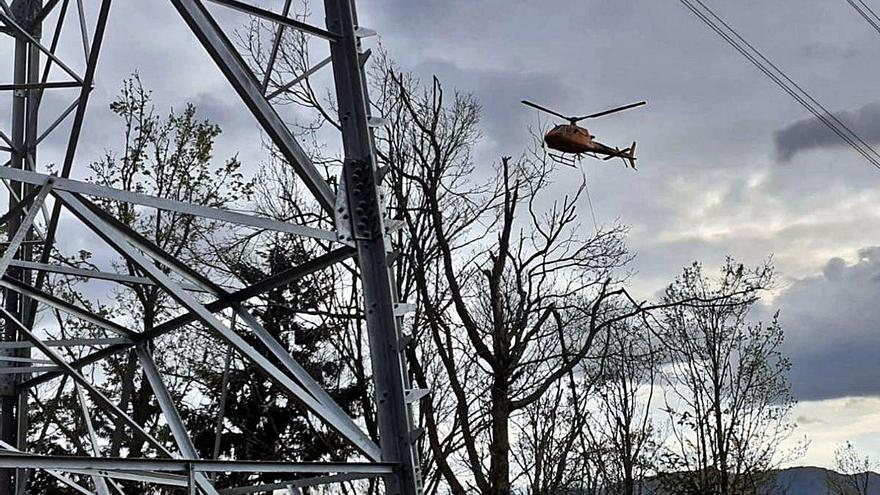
824, 110
774, 73
869, 9
786, 83
867, 13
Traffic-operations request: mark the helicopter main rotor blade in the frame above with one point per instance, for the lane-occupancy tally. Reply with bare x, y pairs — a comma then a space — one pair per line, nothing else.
543, 109
613, 110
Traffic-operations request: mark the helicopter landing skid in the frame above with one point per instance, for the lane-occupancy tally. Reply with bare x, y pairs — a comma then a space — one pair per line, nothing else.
564, 158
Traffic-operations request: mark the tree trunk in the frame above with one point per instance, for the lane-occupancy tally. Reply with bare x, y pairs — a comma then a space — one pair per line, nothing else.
499, 447
118, 436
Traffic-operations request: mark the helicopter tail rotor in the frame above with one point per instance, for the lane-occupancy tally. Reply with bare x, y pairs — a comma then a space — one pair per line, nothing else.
628, 155
631, 156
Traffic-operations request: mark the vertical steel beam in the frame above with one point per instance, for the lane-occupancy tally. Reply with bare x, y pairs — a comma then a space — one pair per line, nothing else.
72, 143
26, 310
364, 209
13, 410
8, 398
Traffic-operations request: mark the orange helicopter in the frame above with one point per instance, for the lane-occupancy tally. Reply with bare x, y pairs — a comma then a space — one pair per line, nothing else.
571, 139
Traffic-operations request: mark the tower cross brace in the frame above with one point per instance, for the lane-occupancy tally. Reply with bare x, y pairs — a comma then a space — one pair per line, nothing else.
355, 208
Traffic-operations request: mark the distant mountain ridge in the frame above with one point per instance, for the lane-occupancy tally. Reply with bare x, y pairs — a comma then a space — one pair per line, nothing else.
808, 480
801, 480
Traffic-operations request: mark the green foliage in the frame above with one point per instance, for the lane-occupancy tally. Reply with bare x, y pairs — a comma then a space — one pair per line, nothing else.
261, 421
170, 157
729, 398
853, 474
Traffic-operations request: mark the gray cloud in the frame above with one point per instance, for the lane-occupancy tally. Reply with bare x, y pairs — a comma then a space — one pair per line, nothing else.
706, 144
830, 322
707, 129
811, 133
505, 122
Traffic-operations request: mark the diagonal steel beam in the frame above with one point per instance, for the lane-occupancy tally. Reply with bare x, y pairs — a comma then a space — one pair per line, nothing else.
267, 284
84, 32
24, 227
290, 364
248, 88
142, 476
280, 352
117, 239
11, 22
101, 399
88, 80
277, 18
172, 416
62, 305
276, 45
20, 344
100, 483
73, 140
79, 187
57, 122
121, 278
20, 205
298, 79
47, 67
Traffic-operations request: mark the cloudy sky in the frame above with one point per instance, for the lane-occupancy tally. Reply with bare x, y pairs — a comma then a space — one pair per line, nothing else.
729, 164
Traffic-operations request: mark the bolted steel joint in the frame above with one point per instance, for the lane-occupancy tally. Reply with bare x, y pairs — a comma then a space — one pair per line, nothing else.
364, 207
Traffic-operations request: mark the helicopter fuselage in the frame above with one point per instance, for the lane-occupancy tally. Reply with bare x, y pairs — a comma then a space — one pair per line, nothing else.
569, 138
576, 140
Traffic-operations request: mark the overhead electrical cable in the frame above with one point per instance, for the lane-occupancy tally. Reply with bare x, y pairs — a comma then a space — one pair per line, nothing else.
774, 73
869, 9
802, 91
786, 83
866, 12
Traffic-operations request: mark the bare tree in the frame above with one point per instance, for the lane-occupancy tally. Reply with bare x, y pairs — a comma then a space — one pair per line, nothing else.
854, 472
169, 158
729, 398
514, 296
623, 425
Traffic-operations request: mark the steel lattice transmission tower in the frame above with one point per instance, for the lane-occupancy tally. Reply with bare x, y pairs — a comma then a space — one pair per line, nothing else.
37, 200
